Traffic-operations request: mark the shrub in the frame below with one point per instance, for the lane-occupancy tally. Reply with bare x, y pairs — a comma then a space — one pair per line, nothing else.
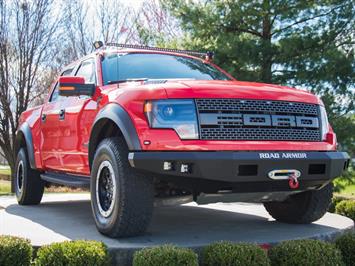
346, 208
227, 253
15, 251
166, 255
334, 203
346, 244
81, 252
305, 252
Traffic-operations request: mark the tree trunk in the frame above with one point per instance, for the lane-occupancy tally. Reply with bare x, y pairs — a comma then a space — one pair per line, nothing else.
266, 64
11, 160
27, 34
12, 167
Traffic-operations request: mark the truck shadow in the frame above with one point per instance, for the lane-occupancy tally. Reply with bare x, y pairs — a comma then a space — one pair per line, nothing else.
181, 225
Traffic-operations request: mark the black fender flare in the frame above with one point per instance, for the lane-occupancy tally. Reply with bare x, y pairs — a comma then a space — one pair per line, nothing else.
25, 132
121, 118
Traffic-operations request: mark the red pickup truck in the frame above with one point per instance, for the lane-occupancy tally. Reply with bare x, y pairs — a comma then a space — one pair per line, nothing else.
139, 125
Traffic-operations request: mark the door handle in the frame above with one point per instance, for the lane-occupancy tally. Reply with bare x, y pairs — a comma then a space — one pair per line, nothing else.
44, 117
61, 114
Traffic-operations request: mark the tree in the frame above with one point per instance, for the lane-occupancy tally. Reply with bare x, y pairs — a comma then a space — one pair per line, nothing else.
155, 25
27, 31
307, 44
76, 34
84, 22
116, 21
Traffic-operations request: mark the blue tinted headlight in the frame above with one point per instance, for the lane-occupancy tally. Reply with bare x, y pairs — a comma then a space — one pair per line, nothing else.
175, 114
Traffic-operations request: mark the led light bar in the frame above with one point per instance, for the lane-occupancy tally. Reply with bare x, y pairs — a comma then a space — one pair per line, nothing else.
208, 55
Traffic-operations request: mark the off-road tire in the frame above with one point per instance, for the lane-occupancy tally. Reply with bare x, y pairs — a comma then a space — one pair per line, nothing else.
302, 208
29, 189
132, 210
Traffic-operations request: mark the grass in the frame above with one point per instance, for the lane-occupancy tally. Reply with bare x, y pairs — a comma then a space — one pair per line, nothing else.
62, 189
5, 172
347, 190
5, 184
5, 187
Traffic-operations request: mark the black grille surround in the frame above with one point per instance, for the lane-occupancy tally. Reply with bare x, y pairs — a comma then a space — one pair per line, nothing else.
239, 119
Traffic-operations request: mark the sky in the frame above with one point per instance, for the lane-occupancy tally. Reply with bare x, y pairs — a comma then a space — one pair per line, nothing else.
130, 3
133, 3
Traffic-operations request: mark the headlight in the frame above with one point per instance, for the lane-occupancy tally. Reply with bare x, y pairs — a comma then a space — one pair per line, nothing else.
324, 122
179, 115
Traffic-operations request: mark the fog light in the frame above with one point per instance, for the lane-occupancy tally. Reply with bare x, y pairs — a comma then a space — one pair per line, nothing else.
185, 168
168, 166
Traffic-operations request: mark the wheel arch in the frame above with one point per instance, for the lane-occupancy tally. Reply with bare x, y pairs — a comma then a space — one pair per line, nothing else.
24, 139
111, 121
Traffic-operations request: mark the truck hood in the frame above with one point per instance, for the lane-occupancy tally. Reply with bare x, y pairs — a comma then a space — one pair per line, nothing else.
236, 89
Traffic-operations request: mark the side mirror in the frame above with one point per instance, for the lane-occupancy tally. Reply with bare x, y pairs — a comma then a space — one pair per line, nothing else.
75, 86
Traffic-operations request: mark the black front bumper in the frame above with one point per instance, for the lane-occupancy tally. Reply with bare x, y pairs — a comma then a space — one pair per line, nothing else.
230, 166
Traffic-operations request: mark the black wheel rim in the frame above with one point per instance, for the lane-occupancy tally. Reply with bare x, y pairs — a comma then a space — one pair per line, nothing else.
105, 189
20, 176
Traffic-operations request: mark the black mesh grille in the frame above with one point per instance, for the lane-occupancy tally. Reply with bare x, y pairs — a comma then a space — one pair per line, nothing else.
235, 105
259, 134
233, 119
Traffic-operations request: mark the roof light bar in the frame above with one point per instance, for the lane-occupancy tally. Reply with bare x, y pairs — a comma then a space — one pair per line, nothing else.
207, 55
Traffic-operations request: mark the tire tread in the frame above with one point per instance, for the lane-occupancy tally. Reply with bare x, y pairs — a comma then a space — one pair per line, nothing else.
136, 193
33, 187
303, 208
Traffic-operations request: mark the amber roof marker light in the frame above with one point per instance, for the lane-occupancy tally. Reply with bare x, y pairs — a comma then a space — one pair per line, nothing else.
98, 44
209, 56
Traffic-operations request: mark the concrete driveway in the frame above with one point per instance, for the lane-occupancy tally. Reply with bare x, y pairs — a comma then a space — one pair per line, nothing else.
68, 216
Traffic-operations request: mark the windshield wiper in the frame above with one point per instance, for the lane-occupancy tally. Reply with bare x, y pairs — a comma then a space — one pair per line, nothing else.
126, 80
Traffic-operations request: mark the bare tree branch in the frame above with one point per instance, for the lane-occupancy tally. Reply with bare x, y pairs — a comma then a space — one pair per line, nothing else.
27, 31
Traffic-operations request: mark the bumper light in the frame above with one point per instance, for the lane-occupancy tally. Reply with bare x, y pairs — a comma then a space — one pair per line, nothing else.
168, 166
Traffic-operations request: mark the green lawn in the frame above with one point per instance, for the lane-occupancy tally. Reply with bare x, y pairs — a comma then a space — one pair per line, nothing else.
5, 170
346, 184
5, 187
348, 190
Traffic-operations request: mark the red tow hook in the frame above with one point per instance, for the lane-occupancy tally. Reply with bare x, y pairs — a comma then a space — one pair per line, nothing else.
293, 182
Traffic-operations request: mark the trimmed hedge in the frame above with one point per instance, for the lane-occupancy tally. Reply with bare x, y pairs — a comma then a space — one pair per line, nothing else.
305, 252
81, 253
346, 244
346, 208
334, 203
230, 254
166, 255
15, 251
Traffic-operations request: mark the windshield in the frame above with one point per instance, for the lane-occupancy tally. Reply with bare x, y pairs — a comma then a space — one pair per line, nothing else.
121, 67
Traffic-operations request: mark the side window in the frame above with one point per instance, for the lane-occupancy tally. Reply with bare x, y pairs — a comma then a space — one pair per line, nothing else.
87, 70
67, 72
55, 94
